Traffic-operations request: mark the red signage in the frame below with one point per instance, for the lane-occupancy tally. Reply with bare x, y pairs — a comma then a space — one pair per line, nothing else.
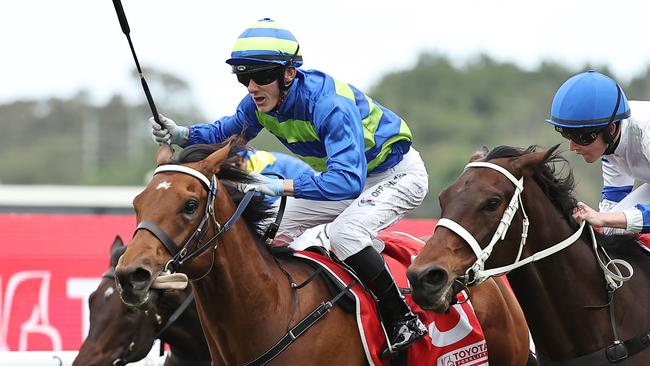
51, 263
49, 266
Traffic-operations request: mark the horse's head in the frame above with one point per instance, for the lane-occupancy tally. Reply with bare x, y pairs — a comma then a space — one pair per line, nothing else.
118, 334
482, 201
175, 217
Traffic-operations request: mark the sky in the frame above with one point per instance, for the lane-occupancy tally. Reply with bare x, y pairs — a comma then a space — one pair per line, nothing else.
57, 47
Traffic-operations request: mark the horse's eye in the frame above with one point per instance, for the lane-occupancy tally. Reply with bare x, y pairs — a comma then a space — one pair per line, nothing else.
492, 204
191, 206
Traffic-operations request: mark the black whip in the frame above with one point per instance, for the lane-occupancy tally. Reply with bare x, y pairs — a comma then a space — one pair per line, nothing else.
126, 30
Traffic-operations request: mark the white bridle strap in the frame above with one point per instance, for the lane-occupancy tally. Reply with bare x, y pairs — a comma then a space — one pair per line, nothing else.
186, 170
482, 255
482, 164
536, 256
453, 226
614, 278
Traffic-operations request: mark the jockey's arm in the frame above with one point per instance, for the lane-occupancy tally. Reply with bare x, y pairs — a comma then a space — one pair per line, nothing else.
287, 184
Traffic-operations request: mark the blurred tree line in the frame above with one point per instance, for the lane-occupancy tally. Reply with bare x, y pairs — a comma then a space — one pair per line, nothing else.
452, 110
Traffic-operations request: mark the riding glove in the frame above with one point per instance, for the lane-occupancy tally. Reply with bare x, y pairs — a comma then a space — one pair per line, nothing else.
169, 133
273, 187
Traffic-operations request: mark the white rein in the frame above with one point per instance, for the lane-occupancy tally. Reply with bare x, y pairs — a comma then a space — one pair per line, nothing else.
478, 274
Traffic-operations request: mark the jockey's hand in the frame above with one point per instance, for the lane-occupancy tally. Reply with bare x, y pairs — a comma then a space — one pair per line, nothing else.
169, 133
598, 219
272, 187
583, 212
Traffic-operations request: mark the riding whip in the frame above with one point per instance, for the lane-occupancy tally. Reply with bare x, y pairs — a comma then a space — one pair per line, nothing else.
126, 30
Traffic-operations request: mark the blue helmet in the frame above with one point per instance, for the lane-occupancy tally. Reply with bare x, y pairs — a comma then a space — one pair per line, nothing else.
589, 99
265, 43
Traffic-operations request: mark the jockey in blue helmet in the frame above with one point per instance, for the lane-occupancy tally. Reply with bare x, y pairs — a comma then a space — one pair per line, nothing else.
593, 113
264, 53
369, 174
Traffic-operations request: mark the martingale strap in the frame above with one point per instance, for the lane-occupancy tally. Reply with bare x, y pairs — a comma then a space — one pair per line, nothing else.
176, 314
299, 329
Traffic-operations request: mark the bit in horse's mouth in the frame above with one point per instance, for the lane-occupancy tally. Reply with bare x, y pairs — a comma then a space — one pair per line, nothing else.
444, 301
142, 304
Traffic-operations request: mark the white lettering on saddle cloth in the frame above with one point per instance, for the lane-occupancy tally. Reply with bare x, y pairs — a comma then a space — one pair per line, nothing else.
471, 355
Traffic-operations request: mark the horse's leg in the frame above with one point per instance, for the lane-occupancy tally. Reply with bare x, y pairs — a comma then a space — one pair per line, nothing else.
503, 323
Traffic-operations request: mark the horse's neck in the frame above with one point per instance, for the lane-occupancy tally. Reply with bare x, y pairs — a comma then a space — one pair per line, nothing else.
554, 291
244, 292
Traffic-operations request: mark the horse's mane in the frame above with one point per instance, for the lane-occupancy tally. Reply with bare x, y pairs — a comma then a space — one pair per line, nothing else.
258, 209
555, 179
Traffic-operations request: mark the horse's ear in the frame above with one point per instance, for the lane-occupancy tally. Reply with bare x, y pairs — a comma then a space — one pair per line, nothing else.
117, 249
164, 154
479, 154
529, 163
117, 242
216, 158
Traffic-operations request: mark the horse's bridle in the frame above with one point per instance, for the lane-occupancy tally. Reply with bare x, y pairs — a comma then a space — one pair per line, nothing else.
476, 273
184, 254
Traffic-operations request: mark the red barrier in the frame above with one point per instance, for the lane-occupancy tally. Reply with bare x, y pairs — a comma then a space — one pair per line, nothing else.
50, 263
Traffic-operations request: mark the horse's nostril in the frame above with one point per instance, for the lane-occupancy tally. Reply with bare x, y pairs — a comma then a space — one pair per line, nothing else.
132, 279
140, 278
435, 278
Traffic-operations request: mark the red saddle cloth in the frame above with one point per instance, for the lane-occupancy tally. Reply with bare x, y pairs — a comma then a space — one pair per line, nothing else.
455, 338
645, 240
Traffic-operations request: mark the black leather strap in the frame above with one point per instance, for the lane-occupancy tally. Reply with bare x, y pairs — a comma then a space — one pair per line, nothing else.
299, 329
601, 357
158, 233
176, 314
638, 344
269, 235
235, 216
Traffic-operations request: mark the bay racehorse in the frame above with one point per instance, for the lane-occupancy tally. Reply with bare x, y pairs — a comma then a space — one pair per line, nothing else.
581, 305
120, 334
246, 296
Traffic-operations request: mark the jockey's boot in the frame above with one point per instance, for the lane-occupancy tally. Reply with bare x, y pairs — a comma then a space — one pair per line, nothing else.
403, 327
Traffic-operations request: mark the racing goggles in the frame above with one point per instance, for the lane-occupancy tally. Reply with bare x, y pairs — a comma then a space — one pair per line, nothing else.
262, 77
579, 136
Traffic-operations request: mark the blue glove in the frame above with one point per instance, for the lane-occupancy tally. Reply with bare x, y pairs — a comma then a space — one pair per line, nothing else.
273, 187
169, 133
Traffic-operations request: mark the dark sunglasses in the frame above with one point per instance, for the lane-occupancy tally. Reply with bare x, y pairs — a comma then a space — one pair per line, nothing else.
263, 77
582, 138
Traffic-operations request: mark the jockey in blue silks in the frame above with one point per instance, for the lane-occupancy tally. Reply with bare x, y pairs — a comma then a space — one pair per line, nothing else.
370, 175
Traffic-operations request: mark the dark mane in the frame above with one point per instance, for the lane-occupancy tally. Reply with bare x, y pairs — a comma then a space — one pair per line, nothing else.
231, 174
229, 171
555, 178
